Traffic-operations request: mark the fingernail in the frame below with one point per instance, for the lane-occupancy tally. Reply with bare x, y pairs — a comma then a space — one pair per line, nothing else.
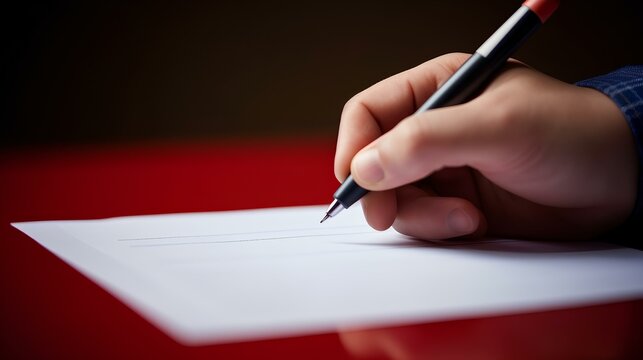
367, 166
459, 222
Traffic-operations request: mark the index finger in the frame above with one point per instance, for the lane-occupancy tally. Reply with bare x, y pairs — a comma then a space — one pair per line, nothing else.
378, 109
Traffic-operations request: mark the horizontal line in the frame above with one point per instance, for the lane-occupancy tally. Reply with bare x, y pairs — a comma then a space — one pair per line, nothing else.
249, 240
232, 234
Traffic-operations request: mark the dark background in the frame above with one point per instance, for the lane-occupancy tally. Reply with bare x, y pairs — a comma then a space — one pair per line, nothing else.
112, 71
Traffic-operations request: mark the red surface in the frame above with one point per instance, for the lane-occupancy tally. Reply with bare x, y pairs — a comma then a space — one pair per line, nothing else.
542, 8
49, 310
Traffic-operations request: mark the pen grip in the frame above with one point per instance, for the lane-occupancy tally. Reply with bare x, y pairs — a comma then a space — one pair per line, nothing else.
461, 86
349, 192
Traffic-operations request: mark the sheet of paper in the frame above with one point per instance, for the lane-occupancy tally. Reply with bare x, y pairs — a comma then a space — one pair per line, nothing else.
217, 277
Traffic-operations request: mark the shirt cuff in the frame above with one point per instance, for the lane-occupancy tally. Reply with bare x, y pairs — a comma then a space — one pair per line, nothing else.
625, 87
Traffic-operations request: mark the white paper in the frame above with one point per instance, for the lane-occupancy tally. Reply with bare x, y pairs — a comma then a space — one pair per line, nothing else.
208, 278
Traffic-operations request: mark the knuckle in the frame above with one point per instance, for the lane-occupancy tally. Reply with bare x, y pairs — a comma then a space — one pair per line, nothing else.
504, 113
352, 104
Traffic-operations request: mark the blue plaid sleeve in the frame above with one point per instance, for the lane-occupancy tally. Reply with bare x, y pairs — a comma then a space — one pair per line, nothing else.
625, 87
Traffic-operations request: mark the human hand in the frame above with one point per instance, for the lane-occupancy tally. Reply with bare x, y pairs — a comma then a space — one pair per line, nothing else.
531, 157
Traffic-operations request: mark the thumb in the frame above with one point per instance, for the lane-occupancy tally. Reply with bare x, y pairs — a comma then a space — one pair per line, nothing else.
424, 143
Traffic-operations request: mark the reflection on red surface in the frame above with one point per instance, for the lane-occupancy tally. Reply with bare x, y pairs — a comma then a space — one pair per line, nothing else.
49, 310
613, 331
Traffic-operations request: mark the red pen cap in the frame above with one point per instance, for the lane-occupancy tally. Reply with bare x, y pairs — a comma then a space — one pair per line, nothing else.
542, 8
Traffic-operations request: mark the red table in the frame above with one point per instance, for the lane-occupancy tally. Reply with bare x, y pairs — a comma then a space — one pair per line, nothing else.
49, 310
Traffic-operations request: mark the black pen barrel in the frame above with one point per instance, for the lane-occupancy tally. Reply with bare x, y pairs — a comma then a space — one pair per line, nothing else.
479, 69
468, 80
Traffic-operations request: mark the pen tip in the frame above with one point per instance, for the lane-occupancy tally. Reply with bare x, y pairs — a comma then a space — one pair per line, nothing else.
325, 218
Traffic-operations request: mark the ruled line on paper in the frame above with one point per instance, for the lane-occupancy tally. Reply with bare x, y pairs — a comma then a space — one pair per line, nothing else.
248, 240
236, 234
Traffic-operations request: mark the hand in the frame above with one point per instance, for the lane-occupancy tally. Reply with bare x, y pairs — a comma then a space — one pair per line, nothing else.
530, 157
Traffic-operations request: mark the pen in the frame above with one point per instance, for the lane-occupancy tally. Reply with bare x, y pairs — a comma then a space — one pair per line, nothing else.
468, 79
